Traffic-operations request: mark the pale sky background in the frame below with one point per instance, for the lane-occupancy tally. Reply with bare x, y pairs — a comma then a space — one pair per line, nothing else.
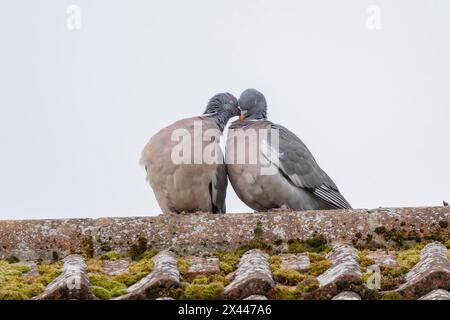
78, 106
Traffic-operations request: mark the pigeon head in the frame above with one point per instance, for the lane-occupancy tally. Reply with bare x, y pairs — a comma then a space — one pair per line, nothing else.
253, 105
222, 107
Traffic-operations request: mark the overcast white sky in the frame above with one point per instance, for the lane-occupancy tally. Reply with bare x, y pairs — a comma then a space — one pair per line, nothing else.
77, 106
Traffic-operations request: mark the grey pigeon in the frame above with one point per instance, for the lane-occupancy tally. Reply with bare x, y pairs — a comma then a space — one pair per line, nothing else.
194, 183
296, 181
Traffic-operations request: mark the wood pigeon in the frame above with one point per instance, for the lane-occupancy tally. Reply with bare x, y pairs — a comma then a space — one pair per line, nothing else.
295, 182
184, 163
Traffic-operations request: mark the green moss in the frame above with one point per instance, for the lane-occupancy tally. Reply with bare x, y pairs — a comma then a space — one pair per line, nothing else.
420, 246
319, 264
228, 261
130, 278
139, 248
106, 287
254, 244
15, 269
225, 267
365, 277
394, 272
48, 272
288, 277
365, 261
296, 246
112, 255
282, 293
94, 265
392, 296
318, 267
183, 266
16, 286
408, 258
209, 291
101, 293
308, 284
393, 277
390, 283
106, 282
136, 271
201, 280
314, 257
397, 236
13, 285
275, 263
172, 292
211, 279
12, 294
317, 243
118, 292
12, 259
87, 246
149, 254
447, 244
114, 286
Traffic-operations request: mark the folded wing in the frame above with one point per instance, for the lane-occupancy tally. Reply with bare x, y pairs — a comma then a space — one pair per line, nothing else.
298, 165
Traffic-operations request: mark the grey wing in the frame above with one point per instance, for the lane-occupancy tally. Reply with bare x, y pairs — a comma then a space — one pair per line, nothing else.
297, 164
218, 187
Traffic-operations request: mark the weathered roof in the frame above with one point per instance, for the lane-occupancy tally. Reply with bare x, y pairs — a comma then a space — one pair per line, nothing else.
397, 253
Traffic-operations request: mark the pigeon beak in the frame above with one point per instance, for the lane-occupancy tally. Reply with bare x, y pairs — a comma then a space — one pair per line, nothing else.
242, 114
